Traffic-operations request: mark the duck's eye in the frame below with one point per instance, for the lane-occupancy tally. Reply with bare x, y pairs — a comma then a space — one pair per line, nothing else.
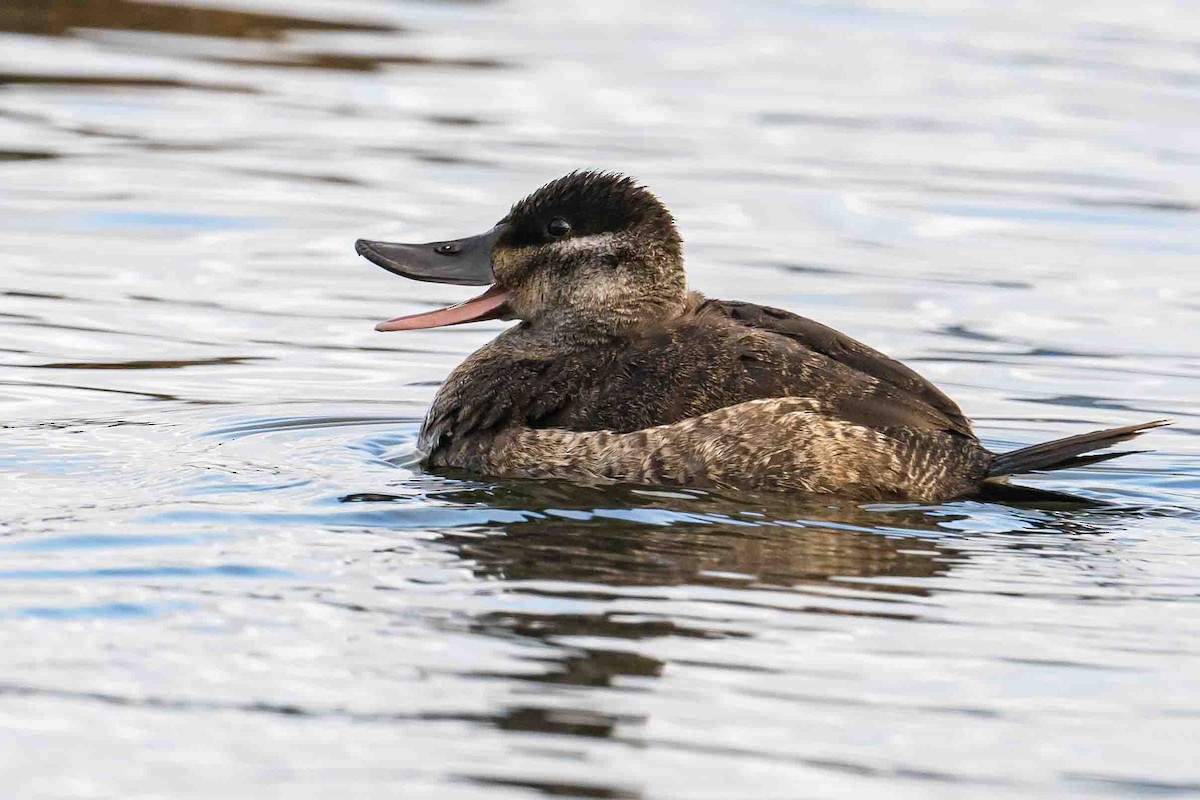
558, 227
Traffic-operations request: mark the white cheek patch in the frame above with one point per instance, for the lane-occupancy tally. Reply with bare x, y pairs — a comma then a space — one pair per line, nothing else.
598, 243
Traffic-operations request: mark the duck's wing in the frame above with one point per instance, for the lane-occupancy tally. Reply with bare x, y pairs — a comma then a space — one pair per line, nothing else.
890, 392
721, 355
501, 387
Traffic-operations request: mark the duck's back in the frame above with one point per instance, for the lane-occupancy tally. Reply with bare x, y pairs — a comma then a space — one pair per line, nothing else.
722, 354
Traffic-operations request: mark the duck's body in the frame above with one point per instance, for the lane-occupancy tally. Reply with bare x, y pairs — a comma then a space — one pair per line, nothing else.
617, 372
723, 394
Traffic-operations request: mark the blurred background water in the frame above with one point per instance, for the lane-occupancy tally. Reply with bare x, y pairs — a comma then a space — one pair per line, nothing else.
222, 576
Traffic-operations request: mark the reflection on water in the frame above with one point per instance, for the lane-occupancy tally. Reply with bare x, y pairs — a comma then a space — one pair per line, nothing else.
213, 519
69, 17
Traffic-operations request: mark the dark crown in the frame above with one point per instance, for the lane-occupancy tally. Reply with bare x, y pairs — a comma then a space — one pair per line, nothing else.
592, 202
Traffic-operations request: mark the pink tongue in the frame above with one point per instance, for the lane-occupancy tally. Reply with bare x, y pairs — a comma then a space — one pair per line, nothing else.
488, 305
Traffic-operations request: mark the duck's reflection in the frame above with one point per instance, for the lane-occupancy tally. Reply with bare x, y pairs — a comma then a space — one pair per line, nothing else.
621, 536
585, 556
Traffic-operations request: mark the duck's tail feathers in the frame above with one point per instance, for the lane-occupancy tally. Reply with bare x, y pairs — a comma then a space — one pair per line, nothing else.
1067, 453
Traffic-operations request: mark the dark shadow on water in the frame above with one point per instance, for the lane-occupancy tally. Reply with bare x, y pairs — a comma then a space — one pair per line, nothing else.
1032, 497
360, 63
64, 17
554, 789
116, 81
25, 155
143, 365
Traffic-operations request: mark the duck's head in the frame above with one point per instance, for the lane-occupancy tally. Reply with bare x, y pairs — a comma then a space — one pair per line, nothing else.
589, 252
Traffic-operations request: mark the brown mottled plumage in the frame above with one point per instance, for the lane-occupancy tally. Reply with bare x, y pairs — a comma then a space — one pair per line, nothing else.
618, 373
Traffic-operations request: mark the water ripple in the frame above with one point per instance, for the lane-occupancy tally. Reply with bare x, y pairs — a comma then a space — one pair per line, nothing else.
212, 512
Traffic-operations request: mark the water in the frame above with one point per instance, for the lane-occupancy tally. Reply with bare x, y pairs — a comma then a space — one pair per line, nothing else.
222, 575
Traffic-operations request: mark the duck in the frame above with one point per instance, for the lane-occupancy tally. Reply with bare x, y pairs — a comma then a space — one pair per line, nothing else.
617, 372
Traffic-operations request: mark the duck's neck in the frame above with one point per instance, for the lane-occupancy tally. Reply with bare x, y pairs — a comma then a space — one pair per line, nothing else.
582, 327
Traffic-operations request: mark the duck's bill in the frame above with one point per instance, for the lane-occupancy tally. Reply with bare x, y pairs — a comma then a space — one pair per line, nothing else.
465, 262
489, 305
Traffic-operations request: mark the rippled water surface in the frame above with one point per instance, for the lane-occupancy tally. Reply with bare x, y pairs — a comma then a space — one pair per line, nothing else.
222, 574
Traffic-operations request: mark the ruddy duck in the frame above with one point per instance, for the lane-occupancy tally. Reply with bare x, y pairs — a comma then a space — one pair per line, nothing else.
617, 372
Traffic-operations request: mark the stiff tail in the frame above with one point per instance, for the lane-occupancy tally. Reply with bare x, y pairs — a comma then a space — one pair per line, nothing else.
1068, 452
